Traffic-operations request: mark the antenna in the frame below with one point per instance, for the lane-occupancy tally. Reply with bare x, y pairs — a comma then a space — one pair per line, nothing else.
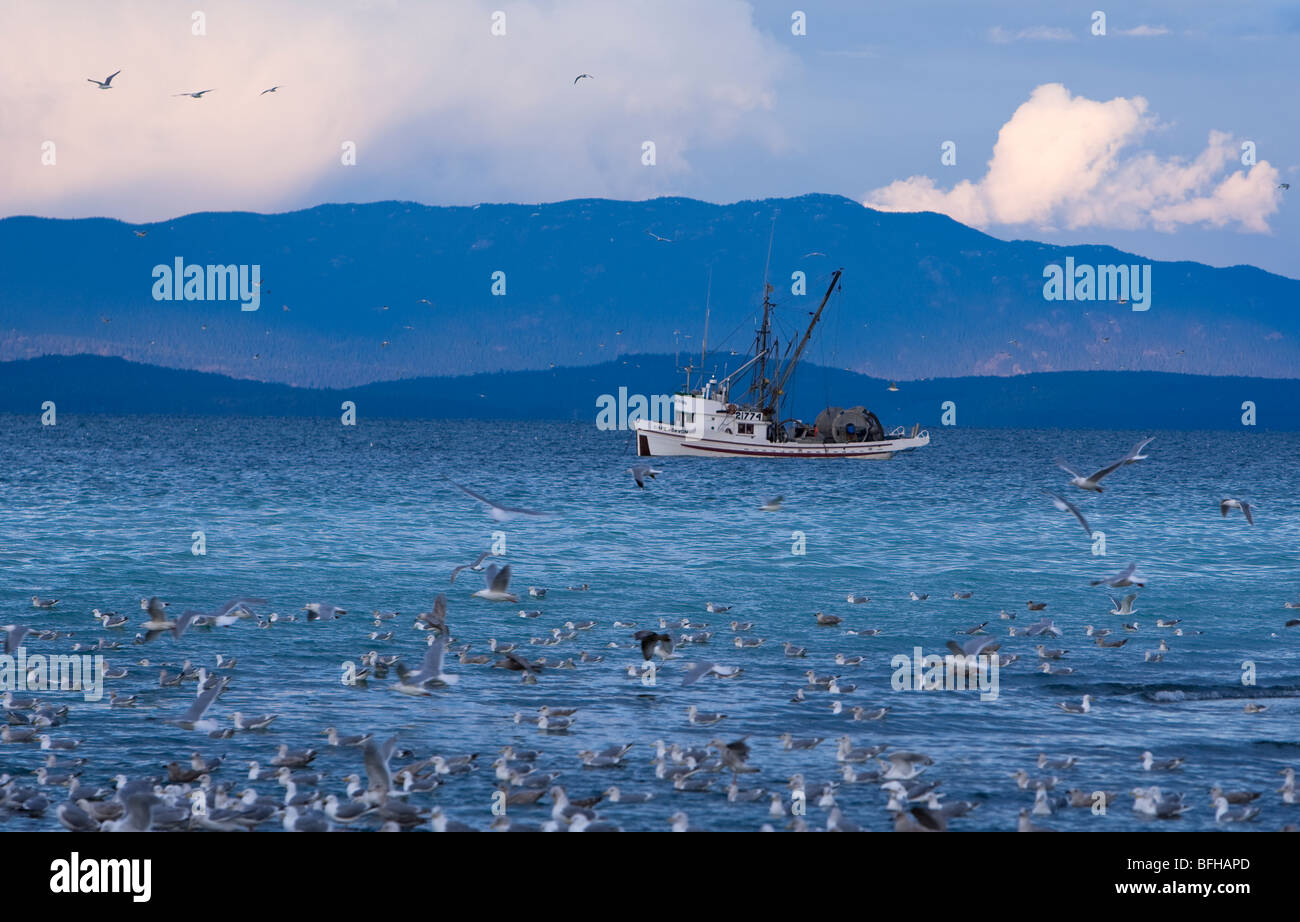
704, 346
768, 264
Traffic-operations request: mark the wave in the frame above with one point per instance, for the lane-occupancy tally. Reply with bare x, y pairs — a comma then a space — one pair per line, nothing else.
1172, 692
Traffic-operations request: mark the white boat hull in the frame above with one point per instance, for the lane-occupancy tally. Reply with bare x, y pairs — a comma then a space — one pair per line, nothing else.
660, 439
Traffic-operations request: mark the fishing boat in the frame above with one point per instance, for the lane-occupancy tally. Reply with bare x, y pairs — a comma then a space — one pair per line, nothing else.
708, 421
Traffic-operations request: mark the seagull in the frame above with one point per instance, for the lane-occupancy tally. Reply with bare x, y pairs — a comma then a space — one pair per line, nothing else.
1093, 482
1150, 764
976, 646
476, 565
1025, 824
580, 76
193, 719
104, 84
500, 513
38, 602
13, 637
198, 95
435, 620
1226, 814
317, 611
1082, 708
695, 717
1063, 504
1126, 577
252, 723
700, 670
431, 671
1123, 606
1281, 185
641, 471
1246, 509
657, 237
652, 643
772, 505
271, 90
498, 585
1151, 802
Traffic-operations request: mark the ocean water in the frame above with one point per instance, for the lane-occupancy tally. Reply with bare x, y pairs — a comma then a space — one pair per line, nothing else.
99, 512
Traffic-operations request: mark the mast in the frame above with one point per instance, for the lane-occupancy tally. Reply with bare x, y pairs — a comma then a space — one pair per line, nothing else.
779, 390
762, 346
704, 346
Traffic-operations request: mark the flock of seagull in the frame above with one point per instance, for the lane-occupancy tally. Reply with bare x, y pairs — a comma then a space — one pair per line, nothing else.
107, 84
396, 783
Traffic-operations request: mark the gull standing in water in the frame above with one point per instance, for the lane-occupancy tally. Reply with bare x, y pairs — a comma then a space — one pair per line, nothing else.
500, 513
1082, 707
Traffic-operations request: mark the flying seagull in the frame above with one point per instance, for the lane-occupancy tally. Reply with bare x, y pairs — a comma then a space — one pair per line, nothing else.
1093, 481
1060, 502
580, 76
653, 642
431, 671
498, 585
104, 84
500, 513
271, 90
198, 95
641, 471
193, 719
476, 565
1246, 509
1284, 185
657, 237
1126, 577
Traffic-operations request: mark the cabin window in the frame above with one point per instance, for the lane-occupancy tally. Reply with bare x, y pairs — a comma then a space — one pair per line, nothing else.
745, 428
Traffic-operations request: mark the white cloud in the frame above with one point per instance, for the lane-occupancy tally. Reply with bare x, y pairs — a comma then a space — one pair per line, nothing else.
1063, 160
1031, 34
1143, 31
432, 99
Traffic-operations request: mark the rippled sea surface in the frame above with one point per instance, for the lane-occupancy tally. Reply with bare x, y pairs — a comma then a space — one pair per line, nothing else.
99, 512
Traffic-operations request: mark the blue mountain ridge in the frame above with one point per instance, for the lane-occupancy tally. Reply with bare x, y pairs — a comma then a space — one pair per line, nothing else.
1065, 400
586, 282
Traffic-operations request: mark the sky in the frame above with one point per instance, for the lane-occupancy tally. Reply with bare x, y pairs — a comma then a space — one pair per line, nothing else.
1132, 138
